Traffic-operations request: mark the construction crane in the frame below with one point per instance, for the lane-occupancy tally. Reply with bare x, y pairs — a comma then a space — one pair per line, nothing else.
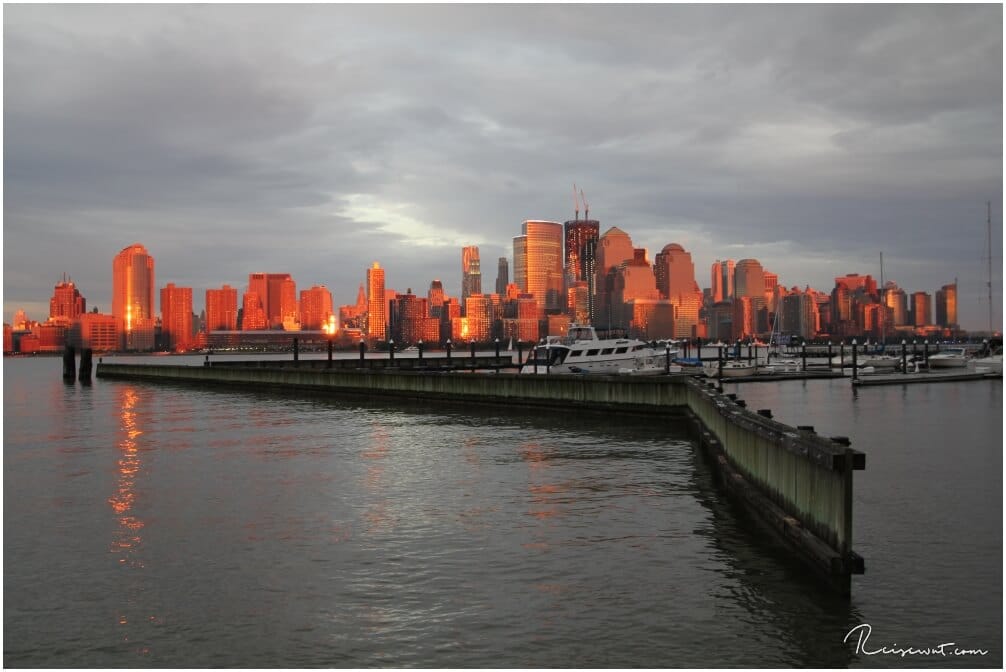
576, 204
586, 208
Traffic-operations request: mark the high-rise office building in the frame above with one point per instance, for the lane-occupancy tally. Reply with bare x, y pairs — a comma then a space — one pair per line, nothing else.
222, 309
502, 276
471, 272
722, 281
897, 301
922, 309
611, 250
277, 293
315, 308
377, 304
253, 317
435, 298
946, 306
577, 233
749, 279
674, 271
133, 297
537, 263
66, 303
176, 317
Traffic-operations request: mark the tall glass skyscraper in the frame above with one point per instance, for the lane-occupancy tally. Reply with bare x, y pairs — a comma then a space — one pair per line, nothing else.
133, 296
377, 306
537, 260
471, 272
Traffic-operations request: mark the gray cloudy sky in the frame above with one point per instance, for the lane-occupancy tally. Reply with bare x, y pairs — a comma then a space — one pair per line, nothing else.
315, 140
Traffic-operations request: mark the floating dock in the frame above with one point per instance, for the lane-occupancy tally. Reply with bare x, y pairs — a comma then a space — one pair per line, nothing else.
868, 380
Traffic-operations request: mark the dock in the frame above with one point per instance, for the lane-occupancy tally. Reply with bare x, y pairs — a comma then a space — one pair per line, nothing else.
918, 378
797, 484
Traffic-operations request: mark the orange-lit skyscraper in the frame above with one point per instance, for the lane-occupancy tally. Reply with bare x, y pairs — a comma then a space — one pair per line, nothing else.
502, 275
315, 307
611, 249
277, 294
537, 261
222, 309
577, 233
749, 279
176, 317
922, 309
133, 297
946, 306
377, 305
471, 272
674, 271
66, 303
723, 281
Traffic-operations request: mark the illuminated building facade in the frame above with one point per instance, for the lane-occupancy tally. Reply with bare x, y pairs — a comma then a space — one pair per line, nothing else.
315, 307
722, 281
577, 233
377, 304
96, 331
749, 279
633, 279
253, 317
946, 306
897, 300
922, 309
133, 297
176, 317
478, 317
611, 250
650, 319
222, 309
277, 294
798, 314
353, 316
407, 327
471, 272
66, 303
674, 271
538, 264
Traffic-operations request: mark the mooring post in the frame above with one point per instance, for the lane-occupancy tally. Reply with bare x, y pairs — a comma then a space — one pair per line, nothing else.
829, 355
85, 366
329, 352
925, 353
69, 364
420, 346
904, 356
520, 353
205, 363
497, 342
749, 352
471, 342
915, 350
854, 374
296, 351
362, 349
448, 353
391, 352
803, 353
841, 356
667, 358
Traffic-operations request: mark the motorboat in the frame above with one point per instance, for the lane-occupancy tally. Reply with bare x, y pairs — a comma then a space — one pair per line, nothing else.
949, 358
993, 362
581, 351
731, 369
781, 366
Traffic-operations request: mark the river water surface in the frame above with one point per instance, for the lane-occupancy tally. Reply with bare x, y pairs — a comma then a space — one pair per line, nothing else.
163, 525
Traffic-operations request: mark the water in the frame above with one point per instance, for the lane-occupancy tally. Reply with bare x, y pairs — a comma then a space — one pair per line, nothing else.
158, 525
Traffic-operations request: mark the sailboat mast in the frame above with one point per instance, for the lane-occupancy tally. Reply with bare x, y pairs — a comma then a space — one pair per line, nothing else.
989, 205
883, 303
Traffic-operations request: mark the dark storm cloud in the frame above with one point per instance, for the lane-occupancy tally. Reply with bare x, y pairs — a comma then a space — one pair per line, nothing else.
317, 139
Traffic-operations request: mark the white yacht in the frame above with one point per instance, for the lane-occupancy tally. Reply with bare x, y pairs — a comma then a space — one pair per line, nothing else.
949, 358
731, 369
581, 351
993, 362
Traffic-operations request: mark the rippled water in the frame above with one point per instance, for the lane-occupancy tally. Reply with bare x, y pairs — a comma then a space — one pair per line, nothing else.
158, 525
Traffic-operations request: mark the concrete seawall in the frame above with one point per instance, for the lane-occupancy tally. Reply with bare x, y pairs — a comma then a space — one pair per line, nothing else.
798, 484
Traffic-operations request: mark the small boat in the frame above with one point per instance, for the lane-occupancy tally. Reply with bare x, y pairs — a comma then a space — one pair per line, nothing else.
950, 358
581, 351
731, 369
781, 366
993, 362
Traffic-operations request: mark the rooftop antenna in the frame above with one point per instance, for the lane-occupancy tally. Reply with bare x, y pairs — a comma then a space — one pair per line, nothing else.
586, 207
576, 203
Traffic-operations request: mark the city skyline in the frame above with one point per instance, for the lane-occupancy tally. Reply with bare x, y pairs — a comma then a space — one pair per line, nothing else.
801, 155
